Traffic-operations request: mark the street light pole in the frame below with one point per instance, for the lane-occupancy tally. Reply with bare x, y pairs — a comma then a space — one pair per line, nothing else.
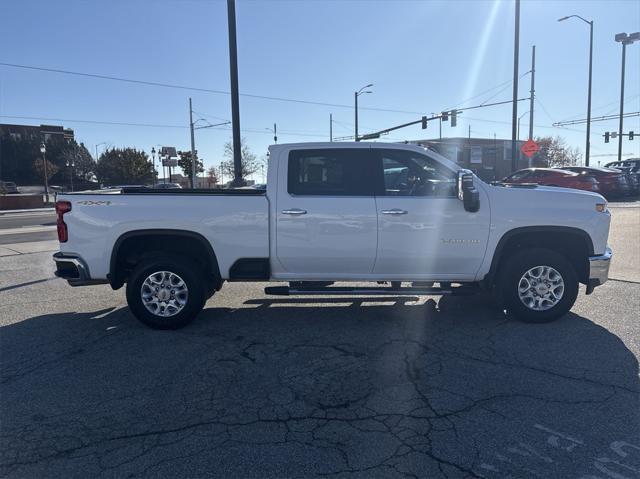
514, 112
519, 118
99, 144
153, 159
356, 95
71, 164
330, 126
193, 147
43, 150
624, 52
356, 110
587, 148
625, 40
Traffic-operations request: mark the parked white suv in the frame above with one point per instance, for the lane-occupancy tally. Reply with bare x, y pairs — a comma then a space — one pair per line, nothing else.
335, 212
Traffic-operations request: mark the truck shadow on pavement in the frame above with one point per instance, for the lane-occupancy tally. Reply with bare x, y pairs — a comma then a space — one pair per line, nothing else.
378, 387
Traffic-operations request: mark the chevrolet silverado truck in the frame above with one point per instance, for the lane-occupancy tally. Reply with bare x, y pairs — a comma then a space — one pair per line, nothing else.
398, 218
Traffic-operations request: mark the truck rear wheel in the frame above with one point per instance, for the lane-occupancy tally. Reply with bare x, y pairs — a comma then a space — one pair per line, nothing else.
165, 292
538, 285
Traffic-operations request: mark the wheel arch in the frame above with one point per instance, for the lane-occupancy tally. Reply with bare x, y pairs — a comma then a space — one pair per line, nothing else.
133, 246
574, 243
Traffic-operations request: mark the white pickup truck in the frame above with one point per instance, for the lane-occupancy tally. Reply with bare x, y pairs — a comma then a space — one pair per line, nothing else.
401, 217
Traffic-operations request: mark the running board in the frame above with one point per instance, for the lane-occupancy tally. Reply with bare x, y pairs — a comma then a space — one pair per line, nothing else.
369, 291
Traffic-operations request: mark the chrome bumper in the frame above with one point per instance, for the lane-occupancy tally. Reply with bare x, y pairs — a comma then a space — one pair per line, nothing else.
599, 269
73, 268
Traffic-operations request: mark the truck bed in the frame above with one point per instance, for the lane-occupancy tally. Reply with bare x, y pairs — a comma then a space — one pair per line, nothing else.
234, 222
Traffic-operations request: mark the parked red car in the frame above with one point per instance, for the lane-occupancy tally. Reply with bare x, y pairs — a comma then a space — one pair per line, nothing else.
612, 182
554, 177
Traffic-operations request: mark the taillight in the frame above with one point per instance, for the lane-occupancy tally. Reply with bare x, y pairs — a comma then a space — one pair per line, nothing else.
62, 207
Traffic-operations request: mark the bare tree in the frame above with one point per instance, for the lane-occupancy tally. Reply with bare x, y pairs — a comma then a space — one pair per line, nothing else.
554, 153
212, 176
249, 161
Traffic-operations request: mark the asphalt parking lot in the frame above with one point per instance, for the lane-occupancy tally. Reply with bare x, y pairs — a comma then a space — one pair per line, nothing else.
264, 386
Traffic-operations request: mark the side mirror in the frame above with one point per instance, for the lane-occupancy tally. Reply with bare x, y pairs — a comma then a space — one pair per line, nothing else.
467, 192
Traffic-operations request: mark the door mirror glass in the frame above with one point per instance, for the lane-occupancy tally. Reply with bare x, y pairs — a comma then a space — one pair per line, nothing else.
467, 192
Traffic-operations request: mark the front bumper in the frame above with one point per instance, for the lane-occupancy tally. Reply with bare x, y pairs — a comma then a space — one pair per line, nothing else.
599, 269
73, 268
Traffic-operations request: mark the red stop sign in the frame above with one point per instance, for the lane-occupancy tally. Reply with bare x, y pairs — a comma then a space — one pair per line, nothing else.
530, 148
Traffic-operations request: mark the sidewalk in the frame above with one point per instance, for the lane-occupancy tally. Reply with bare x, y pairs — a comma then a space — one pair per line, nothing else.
33, 210
31, 247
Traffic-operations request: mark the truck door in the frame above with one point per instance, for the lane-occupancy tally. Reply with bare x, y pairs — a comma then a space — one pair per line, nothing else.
326, 220
423, 228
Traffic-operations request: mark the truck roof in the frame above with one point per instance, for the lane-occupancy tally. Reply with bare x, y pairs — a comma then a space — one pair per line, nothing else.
363, 144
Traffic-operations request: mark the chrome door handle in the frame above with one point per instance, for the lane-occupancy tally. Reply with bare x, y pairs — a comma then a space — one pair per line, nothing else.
394, 211
294, 211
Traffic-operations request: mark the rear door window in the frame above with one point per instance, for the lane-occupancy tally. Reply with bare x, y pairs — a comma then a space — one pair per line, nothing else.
331, 172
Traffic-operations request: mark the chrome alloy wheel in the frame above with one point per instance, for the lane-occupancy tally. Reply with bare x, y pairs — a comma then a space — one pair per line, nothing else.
164, 294
541, 288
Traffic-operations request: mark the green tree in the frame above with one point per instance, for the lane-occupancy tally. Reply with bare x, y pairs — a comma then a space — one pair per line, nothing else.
38, 169
18, 157
185, 162
124, 166
249, 160
554, 153
84, 164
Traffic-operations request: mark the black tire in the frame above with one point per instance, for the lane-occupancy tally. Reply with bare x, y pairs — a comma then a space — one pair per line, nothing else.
184, 268
513, 271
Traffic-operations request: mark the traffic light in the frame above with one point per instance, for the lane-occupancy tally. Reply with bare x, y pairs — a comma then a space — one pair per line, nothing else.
606, 137
631, 135
445, 116
454, 117
424, 122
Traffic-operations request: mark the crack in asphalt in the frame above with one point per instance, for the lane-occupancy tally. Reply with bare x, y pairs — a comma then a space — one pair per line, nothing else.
392, 404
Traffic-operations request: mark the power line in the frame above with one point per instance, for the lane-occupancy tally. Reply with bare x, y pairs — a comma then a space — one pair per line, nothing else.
545, 110
599, 118
97, 122
508, 82
154, 125
203, 90
500, 91
223, 92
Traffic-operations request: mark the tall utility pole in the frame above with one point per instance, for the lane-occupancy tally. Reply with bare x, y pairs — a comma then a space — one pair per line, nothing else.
587, 148
514, 114
235, 101
532, 93
532, 96
469, 131
193, 147
330, 127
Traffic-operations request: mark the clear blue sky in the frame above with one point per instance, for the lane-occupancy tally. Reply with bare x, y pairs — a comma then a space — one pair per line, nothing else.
422, 56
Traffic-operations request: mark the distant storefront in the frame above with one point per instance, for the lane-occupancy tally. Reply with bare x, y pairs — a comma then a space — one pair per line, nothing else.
489, 158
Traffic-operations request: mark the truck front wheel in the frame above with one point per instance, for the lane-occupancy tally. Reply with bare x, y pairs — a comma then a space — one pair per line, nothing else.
165, 292
538, 285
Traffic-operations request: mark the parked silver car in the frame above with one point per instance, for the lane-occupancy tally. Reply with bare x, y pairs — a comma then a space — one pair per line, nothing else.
8, 187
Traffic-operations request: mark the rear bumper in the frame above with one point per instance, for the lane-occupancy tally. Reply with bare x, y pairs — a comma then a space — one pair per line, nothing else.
599, 269
73, 268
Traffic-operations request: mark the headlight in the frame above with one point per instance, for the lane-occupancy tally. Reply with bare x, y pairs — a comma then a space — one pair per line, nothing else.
602, 208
